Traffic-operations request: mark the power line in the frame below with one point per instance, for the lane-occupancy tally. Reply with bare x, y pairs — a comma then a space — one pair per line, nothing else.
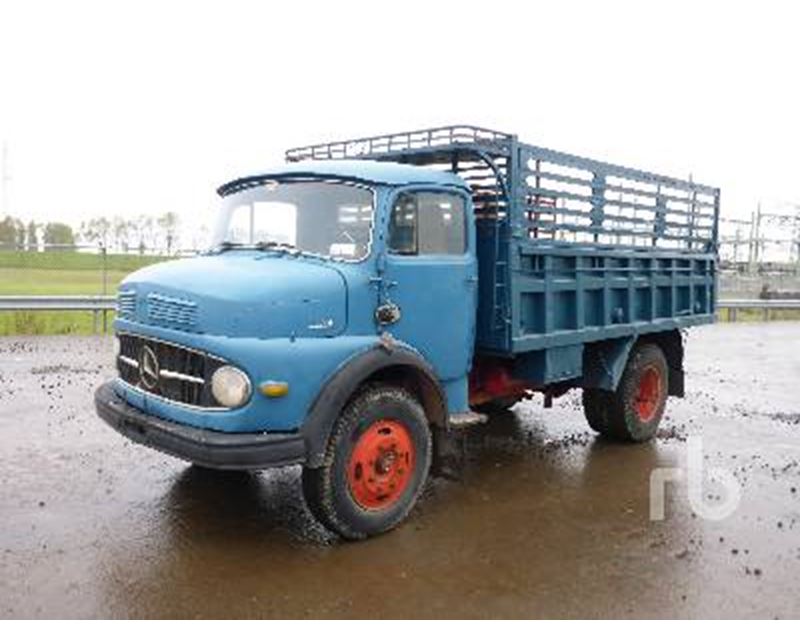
759, 233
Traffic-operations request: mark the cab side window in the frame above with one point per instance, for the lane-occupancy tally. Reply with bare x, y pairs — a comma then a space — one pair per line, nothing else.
428, 223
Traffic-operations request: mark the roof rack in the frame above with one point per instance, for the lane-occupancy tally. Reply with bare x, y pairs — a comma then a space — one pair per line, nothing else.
547, 195
441, 137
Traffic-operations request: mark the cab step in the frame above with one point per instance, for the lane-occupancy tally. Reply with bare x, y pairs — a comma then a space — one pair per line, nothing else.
466, 419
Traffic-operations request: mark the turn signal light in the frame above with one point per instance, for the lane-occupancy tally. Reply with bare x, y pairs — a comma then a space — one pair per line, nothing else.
274, 389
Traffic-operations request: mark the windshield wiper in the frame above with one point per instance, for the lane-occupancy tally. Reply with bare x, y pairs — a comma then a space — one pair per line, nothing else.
271, 244
227, 245
263, 245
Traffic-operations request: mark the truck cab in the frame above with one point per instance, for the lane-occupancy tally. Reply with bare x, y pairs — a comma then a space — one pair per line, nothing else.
351, 308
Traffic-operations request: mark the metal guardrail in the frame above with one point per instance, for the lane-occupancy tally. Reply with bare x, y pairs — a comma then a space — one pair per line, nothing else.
765, 306
758, 304
97, 304
58, 303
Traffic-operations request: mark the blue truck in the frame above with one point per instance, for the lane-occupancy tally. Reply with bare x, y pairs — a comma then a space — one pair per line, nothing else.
373, 295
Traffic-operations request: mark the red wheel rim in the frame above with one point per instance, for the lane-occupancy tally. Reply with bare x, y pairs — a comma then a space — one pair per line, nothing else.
381, 464
648, 395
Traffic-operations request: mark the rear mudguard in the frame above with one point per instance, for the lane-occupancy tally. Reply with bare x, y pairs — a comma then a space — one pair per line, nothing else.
604, 362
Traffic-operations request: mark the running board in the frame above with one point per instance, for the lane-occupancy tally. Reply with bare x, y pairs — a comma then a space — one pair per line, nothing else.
466, 419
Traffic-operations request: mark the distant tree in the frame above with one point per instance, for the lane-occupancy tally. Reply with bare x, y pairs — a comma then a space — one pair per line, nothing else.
12, 233
200, 238
59, 233
168, 223
145, 226
96, 230
84, 232
143, 233
121, 232
32, 237
6, 233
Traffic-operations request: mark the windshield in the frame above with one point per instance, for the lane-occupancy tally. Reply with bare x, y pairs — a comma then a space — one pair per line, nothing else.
324, 218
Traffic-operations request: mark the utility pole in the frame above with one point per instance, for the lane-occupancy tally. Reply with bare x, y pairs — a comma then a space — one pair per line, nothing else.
797, 238
758, 244
752, 253
794, 250
5, 178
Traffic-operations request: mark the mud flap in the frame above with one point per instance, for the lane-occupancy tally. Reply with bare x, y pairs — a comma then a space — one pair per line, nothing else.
604, 362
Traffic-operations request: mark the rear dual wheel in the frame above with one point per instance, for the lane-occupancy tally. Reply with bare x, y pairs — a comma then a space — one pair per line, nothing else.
633, 412
375, 466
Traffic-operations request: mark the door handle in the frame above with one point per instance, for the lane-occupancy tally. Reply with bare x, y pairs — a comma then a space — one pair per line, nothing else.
380, 280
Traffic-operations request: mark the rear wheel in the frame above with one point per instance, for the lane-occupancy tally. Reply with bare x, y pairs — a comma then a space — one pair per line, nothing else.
632, 412
595, 408
375, 466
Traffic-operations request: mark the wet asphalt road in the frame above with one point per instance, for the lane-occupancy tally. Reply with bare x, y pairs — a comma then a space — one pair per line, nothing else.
545, 521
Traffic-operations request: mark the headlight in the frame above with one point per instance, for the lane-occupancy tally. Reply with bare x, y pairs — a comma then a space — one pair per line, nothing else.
230, 387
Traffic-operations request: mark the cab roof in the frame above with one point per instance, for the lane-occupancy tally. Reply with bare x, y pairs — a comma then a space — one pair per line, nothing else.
371, 171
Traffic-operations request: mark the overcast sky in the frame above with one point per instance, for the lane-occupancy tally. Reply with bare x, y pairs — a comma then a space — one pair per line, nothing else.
139, 108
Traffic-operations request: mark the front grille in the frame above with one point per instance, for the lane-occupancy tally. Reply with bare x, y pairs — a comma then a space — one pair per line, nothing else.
184, 375
171, 311
126, 304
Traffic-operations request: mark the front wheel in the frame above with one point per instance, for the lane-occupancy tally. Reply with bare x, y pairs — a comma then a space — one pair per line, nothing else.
633, 412
375, 466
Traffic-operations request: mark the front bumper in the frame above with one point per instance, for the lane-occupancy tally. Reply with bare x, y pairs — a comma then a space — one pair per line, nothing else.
201, 446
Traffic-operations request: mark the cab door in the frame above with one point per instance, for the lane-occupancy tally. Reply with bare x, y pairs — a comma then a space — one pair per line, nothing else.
432, 276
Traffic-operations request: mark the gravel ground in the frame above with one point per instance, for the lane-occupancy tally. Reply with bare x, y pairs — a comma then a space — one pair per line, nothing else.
545, 520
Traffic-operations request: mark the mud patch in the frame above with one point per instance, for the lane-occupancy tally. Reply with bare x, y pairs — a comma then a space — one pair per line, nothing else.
787, 418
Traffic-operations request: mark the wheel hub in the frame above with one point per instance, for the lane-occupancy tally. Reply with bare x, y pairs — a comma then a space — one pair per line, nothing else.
648, 395
381, 464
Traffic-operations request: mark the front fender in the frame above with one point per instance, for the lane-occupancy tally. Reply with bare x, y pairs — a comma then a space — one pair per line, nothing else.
339, 388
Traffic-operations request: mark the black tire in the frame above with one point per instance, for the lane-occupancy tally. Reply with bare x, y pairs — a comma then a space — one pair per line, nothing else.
595, 408
199, 469
629, 414
332, 491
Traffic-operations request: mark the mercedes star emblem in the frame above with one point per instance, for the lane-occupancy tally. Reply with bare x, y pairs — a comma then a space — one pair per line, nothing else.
148, 368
